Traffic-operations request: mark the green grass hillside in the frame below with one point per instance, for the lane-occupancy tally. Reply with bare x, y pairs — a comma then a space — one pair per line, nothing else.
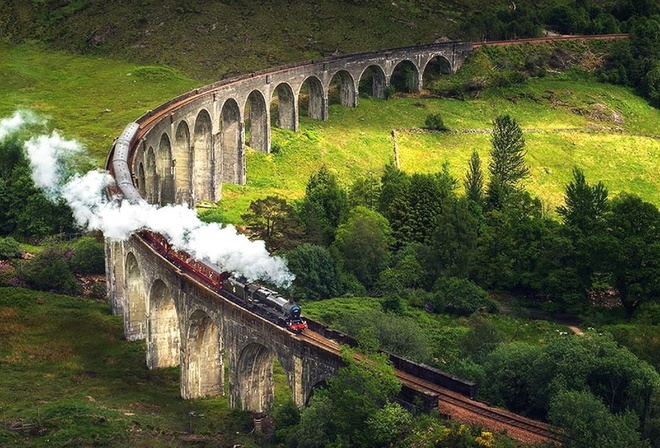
87, 98
212, 39
68, 378
607, 130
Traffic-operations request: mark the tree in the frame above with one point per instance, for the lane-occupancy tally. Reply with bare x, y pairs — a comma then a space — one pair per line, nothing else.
651, 85
588, 423
317, 275
633, 252
336, 415
507, 165
363, 244
395, 184
583, 239
452, 244
526, 378
511, 369
511, 241
365, 191
274, 221
458, 296
387, 424
414, 210
324, 206
474, 180
585, 205
24, 209
406, 270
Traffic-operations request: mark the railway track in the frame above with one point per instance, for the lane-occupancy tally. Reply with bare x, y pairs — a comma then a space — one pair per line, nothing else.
452, 404
540, 40
464, 409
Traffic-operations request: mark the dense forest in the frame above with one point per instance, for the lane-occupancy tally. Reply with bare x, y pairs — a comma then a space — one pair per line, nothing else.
465, 247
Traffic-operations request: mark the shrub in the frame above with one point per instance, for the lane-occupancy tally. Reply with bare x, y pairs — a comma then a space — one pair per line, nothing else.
275, 148
49, 271
88, 256
459, 296
7, 274
9, 248
435, 123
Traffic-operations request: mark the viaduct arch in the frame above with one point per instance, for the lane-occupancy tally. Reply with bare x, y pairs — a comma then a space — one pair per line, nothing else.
193, 144
188, 325
183, 152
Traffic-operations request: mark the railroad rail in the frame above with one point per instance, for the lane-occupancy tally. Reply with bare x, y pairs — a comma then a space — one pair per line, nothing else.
461, 408
546, 39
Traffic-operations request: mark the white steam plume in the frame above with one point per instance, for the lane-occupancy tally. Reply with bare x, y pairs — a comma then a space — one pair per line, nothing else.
217, 243
20, 119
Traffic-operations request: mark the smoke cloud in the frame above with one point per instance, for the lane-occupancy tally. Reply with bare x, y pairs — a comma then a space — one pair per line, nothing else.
50, 158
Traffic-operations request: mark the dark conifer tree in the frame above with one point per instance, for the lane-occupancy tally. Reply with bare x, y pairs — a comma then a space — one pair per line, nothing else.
474, 179
507, 165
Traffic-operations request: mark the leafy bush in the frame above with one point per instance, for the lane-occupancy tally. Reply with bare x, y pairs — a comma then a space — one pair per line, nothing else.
88, 256
7, 274
435, 123
155, 74
275, 147
459, 296
395, 334
9, 248
49, 271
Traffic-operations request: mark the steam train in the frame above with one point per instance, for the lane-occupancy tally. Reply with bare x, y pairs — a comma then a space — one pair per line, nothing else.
253, 296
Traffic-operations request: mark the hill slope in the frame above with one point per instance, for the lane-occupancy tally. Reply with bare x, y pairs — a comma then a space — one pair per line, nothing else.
212, 39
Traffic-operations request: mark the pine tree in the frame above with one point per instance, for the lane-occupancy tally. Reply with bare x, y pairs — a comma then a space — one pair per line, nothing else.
507, 165
585, 205
474, 179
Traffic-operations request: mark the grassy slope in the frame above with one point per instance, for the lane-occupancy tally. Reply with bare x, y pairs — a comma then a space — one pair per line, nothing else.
211, 39
92, 99
559, 114
88, 98
68, 378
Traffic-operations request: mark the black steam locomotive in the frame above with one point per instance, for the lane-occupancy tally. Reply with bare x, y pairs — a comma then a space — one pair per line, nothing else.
265, 302
262, 301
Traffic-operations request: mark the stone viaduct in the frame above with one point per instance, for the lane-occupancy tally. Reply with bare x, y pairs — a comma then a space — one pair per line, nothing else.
199, 140
182, 153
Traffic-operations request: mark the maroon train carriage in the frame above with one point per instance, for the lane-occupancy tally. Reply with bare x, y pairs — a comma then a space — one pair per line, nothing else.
259, 299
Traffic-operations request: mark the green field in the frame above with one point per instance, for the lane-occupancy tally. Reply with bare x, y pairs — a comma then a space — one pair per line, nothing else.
87, 98
606, 130
69, 378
